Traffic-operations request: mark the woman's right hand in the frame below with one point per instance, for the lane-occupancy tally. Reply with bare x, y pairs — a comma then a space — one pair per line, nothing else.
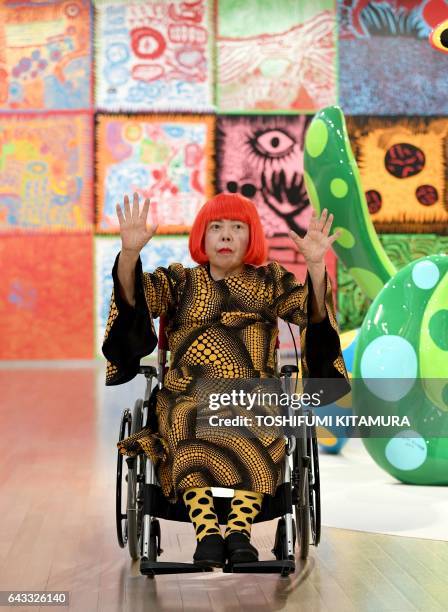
133, 231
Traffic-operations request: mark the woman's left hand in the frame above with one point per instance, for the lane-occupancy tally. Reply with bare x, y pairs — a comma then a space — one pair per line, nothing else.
316, 241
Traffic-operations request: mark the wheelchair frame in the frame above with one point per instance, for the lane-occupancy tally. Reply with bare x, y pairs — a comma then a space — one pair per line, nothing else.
296, 502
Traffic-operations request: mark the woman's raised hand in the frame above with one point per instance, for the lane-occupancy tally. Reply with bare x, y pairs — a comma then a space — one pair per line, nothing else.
133, 231
317, 240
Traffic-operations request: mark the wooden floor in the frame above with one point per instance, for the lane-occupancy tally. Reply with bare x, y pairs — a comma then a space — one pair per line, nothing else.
57, 531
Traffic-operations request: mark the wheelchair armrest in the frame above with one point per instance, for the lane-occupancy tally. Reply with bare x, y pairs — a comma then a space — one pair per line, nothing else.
147, 370
289, 369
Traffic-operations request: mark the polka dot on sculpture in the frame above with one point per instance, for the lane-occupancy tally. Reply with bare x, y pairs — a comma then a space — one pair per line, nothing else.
438, 321
339, 188
346, 239
425, 274
407, 450
389, 357
317, 138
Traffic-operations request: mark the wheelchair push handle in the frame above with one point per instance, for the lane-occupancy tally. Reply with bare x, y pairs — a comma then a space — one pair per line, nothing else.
289, 369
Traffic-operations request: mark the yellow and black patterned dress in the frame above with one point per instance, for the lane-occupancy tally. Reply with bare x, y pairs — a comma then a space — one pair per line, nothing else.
216, 330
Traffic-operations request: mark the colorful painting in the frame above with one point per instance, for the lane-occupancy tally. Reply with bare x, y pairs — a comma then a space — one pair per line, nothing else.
160, 251
402, 161
275, 56
153, 55
166, 158
364, 18
46, 172
45, 59
397, 70
402, 249
46, 296
262, 158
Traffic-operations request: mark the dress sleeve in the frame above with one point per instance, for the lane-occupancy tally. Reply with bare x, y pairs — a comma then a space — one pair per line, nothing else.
130, 333
321, 354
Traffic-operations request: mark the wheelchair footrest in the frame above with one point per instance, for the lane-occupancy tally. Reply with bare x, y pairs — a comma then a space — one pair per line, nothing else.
166, 567
284, 566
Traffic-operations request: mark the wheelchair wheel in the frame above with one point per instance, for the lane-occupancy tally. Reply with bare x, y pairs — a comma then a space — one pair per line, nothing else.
302, 494
120, 516
314, 489
303, 519
135, 477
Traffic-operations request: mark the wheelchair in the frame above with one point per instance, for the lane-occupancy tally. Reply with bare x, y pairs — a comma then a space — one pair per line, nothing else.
140, 502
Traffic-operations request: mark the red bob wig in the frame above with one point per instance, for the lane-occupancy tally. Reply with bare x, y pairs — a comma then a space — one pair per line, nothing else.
229, 206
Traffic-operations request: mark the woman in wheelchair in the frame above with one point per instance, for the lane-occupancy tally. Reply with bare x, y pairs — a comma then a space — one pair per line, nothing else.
221, 324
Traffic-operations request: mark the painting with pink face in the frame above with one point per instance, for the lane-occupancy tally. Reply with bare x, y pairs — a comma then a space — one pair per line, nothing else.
261, 157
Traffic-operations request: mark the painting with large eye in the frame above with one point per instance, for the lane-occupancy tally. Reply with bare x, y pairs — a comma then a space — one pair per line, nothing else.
275, 55
45, 59
403, 168
397, 70
153, 55
261, 157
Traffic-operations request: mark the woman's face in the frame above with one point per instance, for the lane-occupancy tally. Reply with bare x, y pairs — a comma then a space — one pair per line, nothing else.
226, 242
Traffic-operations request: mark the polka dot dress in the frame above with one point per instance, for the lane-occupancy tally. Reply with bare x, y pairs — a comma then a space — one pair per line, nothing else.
217, 330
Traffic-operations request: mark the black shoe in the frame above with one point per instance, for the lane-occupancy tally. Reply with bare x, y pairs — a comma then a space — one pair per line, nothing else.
210, 551
239, 549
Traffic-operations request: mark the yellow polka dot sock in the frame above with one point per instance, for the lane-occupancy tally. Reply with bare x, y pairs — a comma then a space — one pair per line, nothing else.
244, 508
199, 502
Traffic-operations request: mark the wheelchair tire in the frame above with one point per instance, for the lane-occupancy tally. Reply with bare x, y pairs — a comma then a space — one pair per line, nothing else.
134, 505
303, 521
302, 505
120, 516
314, 489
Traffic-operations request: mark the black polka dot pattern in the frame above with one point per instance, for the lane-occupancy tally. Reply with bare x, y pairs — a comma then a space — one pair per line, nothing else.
201, 511
244, 508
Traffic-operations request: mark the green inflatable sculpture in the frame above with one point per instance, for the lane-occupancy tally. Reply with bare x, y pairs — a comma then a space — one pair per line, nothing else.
401, 369
332, 180
400, 364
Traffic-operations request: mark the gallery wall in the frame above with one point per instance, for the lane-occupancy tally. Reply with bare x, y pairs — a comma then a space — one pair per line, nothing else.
178, 100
